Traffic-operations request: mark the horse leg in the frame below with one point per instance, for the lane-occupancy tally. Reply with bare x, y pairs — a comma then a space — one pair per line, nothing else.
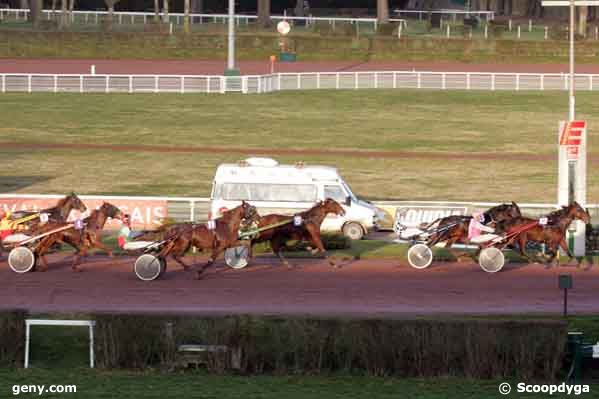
564, 246
277, 247
179, 259
80, 252
216, 250
314, 236
41, 250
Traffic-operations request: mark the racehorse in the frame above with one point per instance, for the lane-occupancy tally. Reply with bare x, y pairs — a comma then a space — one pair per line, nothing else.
454, 229
58, 213
223, 234
551, 234
303, 226
89, 236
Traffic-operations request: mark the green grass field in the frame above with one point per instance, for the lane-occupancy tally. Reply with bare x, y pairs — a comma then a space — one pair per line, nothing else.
403, 120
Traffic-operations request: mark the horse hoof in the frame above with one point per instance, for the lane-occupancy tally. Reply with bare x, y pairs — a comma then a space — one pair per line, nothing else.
76, 269
199, 275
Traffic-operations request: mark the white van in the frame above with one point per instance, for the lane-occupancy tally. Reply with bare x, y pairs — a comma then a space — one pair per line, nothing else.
286, 189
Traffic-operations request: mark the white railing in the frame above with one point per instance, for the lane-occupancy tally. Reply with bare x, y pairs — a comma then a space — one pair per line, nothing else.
488, 15
134, 17
252, 84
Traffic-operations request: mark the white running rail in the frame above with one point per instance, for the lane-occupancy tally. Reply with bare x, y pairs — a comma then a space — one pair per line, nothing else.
250, 84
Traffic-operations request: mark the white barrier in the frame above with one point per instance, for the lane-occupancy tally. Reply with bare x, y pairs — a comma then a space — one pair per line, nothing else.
249, 84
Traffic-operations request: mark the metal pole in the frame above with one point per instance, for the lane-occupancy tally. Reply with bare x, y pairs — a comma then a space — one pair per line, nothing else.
231, 52
572, 101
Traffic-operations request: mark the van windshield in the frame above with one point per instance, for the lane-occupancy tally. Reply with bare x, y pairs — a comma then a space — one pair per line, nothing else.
265, 192
348, 191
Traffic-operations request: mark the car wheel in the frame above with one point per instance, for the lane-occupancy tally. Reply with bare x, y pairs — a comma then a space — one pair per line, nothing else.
353, 231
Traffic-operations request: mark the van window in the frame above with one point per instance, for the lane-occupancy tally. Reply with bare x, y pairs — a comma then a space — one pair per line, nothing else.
335, 192
266, 192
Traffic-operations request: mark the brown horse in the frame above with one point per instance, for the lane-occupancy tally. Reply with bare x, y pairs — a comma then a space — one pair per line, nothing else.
58, 213
454, 229
223, 235
307, 228
81, 240
552, 234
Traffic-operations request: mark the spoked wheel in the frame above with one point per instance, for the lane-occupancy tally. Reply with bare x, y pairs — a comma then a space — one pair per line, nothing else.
491, 259
420, 256
149, 267
21, 259
237, 257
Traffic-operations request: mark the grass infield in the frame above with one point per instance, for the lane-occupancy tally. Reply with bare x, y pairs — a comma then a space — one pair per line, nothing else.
462, 124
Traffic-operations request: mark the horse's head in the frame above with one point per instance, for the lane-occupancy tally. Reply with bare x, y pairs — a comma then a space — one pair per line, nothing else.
503, 212
331, 206
111, 211
250, 213
76, 203
578, 212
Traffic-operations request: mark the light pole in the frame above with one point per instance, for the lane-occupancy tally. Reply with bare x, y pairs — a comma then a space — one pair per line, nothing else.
572, 101
231, 70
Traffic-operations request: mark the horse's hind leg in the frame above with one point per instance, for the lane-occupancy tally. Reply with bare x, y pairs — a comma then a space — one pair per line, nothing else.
314, 236
178, 258
277, 247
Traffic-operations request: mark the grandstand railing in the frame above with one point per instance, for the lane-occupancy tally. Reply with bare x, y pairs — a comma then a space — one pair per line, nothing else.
90, 83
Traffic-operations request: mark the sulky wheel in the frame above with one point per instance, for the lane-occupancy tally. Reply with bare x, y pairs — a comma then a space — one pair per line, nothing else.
21, 259
149, 267
237, 257
420, 256
491, 259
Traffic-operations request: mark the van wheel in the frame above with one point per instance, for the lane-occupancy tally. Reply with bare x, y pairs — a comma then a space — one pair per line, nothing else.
353, 231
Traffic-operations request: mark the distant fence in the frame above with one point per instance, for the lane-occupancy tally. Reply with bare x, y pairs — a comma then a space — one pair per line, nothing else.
134, 17
88, 83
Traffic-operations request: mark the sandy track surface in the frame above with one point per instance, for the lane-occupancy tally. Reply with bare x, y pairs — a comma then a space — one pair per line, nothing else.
363, 288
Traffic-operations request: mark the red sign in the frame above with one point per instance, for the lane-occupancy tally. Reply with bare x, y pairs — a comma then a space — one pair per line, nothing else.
572, 152
145, 214
571, 134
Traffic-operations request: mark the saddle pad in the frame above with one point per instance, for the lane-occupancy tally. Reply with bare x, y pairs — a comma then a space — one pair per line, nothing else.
297, 220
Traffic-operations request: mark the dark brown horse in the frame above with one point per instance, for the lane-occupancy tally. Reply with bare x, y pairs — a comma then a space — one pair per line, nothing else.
454, 229
303, 226
82, 240
553, 234
223, 234
58, 213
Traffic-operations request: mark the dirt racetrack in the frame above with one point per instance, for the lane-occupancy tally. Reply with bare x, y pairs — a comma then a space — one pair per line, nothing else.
363, 288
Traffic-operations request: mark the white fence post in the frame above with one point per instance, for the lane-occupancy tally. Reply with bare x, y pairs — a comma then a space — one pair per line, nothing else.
318, 80
542, 81
356, 81
443, 84
29, 83
3, 83
155, 84
80, 83
493, 82
517, 81
418, 81
299, 83
337, 80
591, 82
468, 81
182, 84
279, 82
376, 80
107, 83
130, 84
395, 80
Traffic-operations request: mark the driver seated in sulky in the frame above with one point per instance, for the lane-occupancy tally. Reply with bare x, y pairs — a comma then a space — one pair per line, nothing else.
479, 224
126, 237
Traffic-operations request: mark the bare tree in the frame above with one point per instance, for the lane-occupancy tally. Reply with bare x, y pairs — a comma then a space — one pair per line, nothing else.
110, 4
299, 8
186, 18
71, 8
583, 13
63, 14
35, 12
264, 12
382, 11
165, 16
